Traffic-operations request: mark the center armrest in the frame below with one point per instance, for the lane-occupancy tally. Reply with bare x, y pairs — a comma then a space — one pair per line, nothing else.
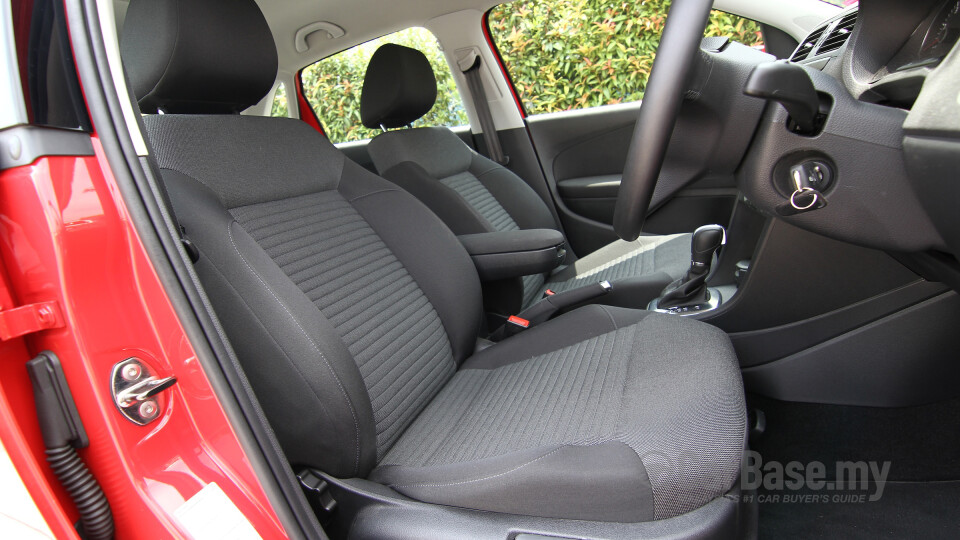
508, 254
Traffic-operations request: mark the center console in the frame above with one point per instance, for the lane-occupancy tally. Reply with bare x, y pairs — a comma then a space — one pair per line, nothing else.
690, 295
511, 254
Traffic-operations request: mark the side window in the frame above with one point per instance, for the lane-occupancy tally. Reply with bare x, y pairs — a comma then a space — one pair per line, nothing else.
573, 54
279, 107
332, 87
51, 90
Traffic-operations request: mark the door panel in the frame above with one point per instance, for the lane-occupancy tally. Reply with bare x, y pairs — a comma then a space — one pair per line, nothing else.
582, 153
595, 197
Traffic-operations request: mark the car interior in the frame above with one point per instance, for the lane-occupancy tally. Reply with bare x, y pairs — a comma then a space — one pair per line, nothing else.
625, 321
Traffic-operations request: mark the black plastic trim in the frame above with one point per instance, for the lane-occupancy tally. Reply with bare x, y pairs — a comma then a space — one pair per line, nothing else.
762, 346
907, 358
797, 275
22, 145
63, 434
370, 510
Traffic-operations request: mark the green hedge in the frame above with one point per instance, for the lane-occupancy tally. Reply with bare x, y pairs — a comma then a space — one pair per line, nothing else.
279, 102
572, 54
561, 55
332, 86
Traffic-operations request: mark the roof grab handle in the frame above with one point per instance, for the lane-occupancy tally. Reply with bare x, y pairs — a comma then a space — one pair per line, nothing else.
300, 39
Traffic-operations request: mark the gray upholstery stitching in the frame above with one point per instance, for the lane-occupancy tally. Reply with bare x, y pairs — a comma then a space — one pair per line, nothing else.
259, 321
518, 467
610, 315
353, 413
626, 379
443, 322
358, 197
488, 171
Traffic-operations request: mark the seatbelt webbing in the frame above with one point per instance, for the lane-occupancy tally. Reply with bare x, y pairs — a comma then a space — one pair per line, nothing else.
482, 106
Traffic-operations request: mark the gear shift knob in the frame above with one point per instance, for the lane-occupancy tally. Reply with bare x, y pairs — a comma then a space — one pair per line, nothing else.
706, 241
691, 290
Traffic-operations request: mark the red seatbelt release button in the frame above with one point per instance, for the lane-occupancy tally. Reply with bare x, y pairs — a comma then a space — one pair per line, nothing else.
522, 323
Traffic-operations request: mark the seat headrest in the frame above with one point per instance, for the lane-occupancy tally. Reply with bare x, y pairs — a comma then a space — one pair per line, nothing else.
198, 56
399, 87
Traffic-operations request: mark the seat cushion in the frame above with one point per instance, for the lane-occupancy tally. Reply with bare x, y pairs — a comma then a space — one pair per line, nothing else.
603, 414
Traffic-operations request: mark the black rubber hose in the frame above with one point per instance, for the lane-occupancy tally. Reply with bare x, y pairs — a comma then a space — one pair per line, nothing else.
95, 514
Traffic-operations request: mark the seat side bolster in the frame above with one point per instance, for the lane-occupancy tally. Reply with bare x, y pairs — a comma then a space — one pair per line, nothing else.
427, 249
437, 149
442, 200
293, 356
600, 482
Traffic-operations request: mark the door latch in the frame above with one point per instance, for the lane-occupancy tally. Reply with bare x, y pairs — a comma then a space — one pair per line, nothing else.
136, 391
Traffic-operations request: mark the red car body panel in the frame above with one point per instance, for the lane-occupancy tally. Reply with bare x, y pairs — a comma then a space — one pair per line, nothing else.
66, 237
306, 112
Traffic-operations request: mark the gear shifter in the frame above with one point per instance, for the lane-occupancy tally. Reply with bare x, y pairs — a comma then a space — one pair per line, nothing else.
691, 290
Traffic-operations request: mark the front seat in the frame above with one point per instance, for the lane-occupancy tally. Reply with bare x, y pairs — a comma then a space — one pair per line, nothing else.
473, 194
355, 312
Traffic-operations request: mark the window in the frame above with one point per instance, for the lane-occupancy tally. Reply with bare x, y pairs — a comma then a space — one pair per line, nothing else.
332, 87
49, 77
573, 54
279, 107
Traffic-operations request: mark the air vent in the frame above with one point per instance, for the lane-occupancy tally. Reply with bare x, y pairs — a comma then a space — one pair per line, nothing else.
805, 48
840, 34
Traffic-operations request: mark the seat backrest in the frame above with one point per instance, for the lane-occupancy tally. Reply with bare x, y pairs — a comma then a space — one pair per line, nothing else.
348, 302
469, 192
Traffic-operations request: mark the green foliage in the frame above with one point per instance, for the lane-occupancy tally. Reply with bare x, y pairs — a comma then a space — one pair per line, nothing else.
332, 86
561, 55
572, 54
279, 102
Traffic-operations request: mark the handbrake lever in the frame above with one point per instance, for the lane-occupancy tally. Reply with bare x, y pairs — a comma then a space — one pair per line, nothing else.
545, 309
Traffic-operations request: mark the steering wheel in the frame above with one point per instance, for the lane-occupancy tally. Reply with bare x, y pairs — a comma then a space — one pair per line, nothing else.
682, 35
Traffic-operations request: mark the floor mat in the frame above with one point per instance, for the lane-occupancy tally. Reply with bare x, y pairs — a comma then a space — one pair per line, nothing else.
914, 452
929, 510
921, 443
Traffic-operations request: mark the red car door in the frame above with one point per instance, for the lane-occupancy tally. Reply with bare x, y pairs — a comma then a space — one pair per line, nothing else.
76, 281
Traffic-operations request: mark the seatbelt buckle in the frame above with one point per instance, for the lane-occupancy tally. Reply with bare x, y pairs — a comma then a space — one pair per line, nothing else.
548, 293
515, 325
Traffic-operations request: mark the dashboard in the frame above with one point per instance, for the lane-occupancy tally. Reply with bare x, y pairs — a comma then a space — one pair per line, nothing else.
893, 46
932, 40
887, 75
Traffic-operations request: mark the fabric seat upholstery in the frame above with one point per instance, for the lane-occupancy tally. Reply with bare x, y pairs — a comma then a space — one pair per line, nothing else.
358, 336
585, 407
473, 194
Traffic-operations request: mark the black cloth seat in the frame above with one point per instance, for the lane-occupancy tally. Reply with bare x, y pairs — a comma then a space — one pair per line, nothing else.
359, 336
473, 194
